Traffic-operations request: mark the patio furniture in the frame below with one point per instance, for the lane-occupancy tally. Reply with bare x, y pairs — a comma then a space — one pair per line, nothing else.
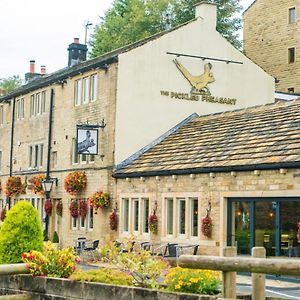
80, 244
90, 250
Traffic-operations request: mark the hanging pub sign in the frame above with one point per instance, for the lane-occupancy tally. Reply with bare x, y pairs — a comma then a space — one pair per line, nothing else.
87, 139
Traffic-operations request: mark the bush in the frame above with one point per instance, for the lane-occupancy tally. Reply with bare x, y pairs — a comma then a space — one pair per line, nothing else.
55, 238
52, 263
20, 232
108, 276
203, 282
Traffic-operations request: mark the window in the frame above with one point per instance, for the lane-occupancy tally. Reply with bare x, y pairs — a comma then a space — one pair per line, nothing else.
292, 15
135, 214
32, 105
169, 216
44, 95
86, 90
90, 216
94, 87
194, 217
84, 158
126, 215
92, 158
1, 114
291, 90
181, 216
20, 109
291, 55
78, 92
38, 103
35, 156
86, 223
145, 215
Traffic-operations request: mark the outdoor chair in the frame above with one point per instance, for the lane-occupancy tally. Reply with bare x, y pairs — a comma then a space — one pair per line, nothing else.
80, 245
170, 250
90, 251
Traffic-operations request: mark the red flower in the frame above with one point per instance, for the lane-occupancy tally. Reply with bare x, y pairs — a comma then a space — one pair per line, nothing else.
37, 186
48, 207
75, 182
153, 223
74, 209
113, 220
83, 208
99, 199
14, 186
206, 226
59, 208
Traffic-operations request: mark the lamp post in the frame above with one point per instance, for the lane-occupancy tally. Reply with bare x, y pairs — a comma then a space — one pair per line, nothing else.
47, 184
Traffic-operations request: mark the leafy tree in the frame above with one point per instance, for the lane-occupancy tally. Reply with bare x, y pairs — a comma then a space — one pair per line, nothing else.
20, 232
128, 21
11, 83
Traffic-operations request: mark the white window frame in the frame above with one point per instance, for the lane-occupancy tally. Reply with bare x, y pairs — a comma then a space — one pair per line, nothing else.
179, 201
145, 215
127, 217
32, 105
292, 17
77, 92
38, 103
135, 221
94, 87
43, 101
167, 202
90, 216
86, 90
192, 201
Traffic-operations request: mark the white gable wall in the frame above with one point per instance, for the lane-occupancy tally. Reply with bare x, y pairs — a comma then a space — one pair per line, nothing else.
143, 113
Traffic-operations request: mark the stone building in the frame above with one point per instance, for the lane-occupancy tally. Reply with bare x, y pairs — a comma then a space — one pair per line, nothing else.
241, 166
271, 40
130, 96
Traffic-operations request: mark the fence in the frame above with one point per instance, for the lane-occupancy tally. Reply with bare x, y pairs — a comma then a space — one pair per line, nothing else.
229, 264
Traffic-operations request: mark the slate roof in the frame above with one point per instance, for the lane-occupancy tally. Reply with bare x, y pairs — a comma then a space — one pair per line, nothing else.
262, 137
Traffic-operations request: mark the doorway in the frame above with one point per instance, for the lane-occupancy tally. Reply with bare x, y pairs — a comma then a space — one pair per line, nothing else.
264, 222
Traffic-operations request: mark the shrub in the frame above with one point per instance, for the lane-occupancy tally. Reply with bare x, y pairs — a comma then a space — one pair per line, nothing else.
194, 281
145, 268
106, 275
55, 238
20, 232
52, 263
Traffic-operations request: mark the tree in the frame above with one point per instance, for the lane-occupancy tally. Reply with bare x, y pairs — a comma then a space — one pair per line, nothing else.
128, 21
20, 232
11, 83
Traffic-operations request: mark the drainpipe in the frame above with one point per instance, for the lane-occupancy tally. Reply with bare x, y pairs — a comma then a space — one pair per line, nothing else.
8, 199
47, 193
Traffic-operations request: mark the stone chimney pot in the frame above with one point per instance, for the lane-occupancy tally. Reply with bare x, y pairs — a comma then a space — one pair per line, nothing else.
208, 12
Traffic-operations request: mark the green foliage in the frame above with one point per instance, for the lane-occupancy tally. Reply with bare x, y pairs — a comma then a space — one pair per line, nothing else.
11, 83
20, 232
145, 268
106, 275
52, 263
128, 21
55, 238
194, 281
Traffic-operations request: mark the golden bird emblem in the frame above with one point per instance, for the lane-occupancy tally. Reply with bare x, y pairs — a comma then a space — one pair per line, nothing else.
198, 83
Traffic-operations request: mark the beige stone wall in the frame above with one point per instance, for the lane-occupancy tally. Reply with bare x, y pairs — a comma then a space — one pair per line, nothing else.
66, 115
267, 37
215, 189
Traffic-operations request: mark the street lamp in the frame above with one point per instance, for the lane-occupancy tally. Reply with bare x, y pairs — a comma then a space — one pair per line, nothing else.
47, 184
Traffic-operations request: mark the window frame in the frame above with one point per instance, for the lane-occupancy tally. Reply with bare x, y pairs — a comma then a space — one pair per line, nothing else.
77, 92
291, 55
94, 87
86, 90
292, 18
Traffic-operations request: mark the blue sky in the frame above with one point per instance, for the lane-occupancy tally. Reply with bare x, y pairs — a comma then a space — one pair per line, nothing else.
42, 30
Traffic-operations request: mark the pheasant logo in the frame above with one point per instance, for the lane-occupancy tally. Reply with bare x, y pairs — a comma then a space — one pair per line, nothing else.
199, 83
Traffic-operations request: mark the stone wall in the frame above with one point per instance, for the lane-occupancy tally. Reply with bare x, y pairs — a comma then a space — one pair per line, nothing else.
212, 187
267, 37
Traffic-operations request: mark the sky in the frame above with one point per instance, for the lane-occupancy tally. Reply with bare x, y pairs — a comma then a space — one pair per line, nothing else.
41, 30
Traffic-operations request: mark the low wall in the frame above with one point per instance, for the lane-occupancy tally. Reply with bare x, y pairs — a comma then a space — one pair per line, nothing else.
53, 288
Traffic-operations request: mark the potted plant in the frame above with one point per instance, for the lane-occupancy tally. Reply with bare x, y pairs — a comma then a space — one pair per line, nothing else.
36, 183
59, 208
82, 208
113, 220
75, 182
74, 209
153, 223
99, 200
55, 241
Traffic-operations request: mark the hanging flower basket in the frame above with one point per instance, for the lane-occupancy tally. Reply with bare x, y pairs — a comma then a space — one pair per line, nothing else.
37, 186
59, 208
75, 182
113, 220
74, 209
153, 223
82, 208
3, 214
298, 233
206, 226
14, 186
99, 200
48, 207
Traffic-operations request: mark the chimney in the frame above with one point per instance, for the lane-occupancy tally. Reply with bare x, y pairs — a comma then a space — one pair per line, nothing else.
208, 12
43, 70
77, 53
32, 66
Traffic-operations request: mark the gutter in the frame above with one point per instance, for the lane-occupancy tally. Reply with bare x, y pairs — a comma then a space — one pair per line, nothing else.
223, 169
